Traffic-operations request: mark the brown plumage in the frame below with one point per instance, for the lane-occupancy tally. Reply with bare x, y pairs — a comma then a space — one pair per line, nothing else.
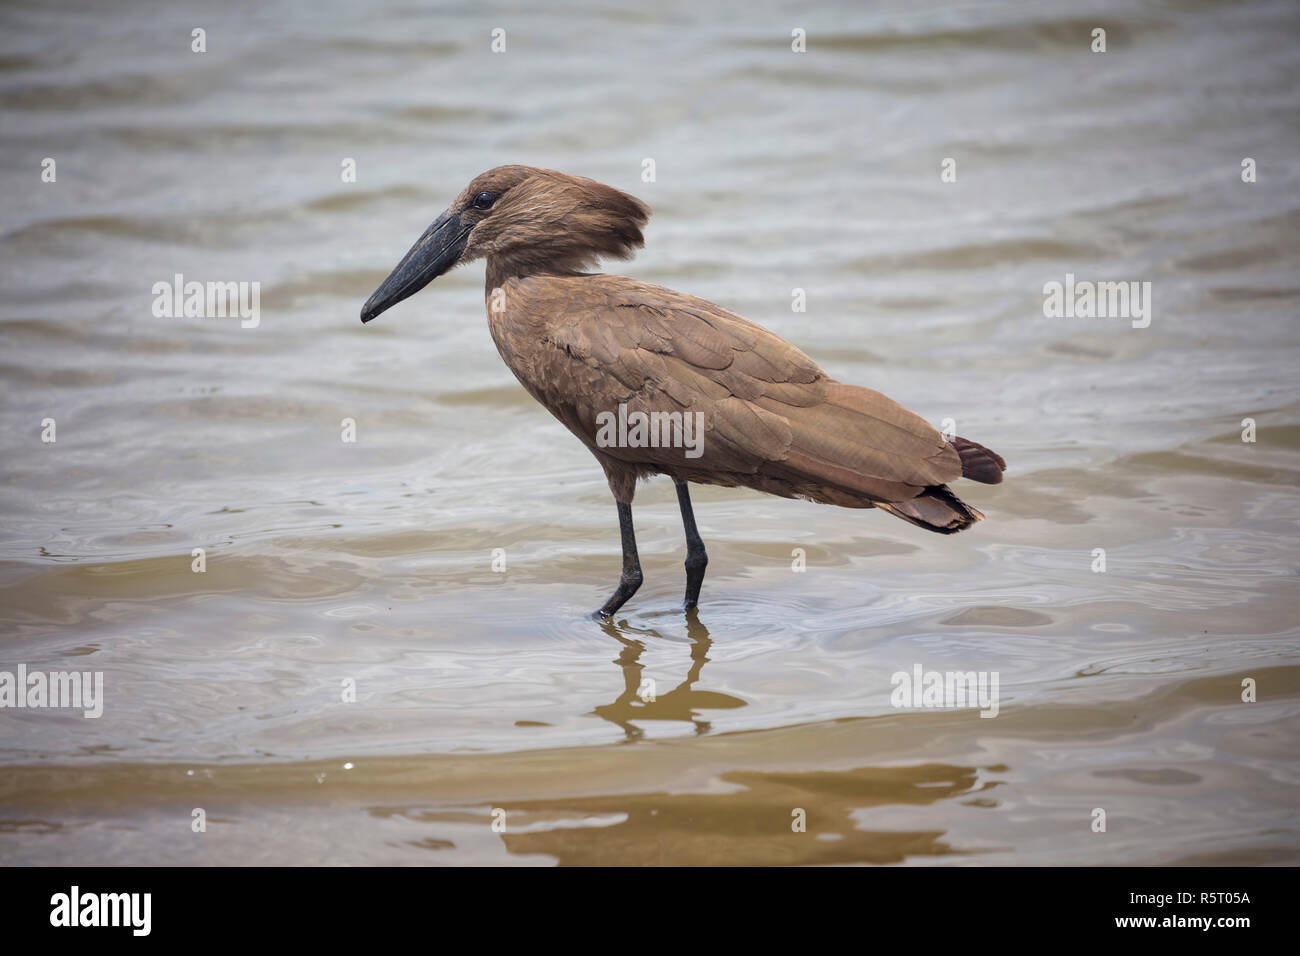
585, 344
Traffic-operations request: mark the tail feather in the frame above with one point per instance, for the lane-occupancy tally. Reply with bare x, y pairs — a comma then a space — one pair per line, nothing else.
935, 509
979, 463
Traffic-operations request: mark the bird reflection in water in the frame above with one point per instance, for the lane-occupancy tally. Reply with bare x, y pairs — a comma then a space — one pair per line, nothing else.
683, 702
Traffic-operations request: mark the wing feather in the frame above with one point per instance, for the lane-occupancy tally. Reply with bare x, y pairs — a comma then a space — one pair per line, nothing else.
772, 418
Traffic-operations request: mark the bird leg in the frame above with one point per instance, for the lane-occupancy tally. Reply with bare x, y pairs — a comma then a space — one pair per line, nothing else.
697, 559
630, 579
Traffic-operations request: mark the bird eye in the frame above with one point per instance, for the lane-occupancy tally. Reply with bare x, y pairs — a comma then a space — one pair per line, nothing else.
484, 200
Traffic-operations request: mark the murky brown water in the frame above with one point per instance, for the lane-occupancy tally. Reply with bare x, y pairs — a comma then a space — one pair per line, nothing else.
372, 561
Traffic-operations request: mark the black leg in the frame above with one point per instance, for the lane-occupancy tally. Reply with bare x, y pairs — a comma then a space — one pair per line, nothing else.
697, 559
630, 579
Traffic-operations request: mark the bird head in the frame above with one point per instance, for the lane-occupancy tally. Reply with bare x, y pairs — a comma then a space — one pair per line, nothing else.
523, 220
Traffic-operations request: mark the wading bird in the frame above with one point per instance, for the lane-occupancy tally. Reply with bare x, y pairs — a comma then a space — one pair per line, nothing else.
597, 348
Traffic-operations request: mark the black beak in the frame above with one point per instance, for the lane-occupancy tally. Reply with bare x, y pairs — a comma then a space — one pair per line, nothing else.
437, 250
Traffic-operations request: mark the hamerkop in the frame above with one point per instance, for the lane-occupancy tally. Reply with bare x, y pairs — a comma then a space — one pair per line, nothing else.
654, 381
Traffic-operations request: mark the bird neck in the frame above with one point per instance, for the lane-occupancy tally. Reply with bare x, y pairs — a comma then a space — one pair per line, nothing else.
501, 269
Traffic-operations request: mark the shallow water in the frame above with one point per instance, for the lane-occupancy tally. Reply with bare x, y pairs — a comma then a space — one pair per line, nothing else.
371, 561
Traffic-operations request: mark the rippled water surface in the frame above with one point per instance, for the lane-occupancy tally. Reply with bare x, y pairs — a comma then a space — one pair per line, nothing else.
372, 562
